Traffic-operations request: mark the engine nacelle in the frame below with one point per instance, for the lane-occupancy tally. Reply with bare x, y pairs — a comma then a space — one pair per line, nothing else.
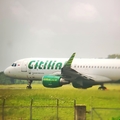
84, 85
52, 81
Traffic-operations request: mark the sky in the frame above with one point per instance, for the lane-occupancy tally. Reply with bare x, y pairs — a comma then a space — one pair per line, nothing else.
57, 28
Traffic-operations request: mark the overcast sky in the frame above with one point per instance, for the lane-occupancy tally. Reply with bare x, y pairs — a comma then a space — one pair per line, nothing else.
57, 28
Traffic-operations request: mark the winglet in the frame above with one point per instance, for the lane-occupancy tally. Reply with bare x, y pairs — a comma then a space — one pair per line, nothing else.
69, 62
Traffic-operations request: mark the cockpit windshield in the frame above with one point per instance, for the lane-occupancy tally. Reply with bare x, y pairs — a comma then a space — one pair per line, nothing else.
14, 64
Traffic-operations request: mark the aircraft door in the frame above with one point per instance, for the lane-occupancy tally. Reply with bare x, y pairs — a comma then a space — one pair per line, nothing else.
24, 66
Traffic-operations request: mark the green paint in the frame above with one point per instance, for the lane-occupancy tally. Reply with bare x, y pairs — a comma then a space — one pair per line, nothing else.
58, 66
49, 65
40, 65
51, 81
45, 65
30, 65
69, 62
53, 65
36, 65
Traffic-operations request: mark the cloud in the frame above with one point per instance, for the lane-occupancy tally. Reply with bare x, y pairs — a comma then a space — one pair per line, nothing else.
83, 11
20, 12
55, 18
47, 33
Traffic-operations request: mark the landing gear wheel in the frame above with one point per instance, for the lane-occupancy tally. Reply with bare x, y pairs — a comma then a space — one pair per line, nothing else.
102, 88
29, 87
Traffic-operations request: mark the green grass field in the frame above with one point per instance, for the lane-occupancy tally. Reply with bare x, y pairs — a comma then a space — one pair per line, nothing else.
17, 96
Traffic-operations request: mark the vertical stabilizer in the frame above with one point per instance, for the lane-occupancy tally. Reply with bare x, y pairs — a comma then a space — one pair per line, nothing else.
69, 62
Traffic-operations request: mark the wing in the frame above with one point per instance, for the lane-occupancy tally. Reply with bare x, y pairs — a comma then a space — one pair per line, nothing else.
79, 79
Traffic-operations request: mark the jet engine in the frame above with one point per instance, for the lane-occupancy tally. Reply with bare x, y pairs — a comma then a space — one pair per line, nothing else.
81, 85
52, 81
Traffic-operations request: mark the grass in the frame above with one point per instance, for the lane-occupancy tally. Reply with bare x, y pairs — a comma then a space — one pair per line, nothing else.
17, 95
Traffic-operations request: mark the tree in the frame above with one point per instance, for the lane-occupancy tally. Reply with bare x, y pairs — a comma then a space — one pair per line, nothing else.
4, 79
7, 80
114, 56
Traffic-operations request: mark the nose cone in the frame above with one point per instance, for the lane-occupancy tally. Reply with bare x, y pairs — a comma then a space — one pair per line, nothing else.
7, 72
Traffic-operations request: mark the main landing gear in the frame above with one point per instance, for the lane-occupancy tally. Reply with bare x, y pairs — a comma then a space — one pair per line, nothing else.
102, 87
29, 84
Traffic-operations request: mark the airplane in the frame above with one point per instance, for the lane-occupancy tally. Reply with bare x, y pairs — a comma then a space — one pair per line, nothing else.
56, 72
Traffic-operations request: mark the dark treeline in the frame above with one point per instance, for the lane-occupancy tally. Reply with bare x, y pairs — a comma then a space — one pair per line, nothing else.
114, 56
7, 80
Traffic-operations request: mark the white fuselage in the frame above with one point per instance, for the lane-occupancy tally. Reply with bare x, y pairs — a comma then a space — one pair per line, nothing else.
36, 68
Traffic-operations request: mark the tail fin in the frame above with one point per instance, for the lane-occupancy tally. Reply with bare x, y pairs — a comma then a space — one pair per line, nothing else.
69, 62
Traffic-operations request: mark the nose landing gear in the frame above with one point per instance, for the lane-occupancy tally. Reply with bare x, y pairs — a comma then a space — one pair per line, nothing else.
29, 84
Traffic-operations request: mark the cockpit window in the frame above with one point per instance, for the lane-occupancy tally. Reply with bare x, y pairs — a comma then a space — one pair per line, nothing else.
14, 64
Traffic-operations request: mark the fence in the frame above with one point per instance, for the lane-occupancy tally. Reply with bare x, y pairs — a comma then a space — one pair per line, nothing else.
51, 112
105, 113
58, 109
